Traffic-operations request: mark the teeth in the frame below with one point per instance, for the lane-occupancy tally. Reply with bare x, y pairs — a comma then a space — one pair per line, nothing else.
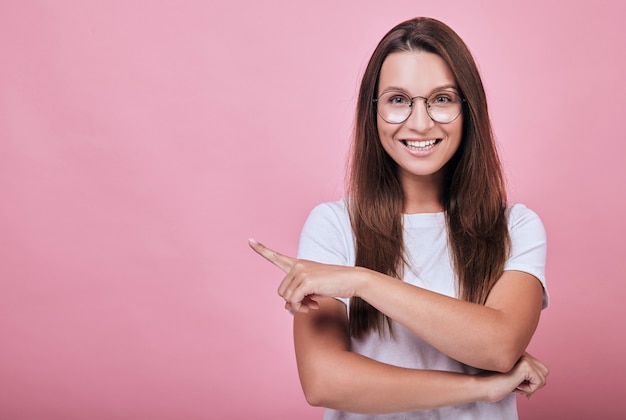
421, 144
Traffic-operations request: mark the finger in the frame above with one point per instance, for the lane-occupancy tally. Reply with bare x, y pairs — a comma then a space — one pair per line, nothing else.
279, 260
310, 302
294, 293
533, 383
307, 305
543, 369
522, 393
301, 308
539, 365
303, 304
541, 373
285, 285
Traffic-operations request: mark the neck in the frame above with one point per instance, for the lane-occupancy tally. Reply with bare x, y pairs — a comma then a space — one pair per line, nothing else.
422, 194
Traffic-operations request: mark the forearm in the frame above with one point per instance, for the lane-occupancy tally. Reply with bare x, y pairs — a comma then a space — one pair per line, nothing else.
350, 382
477, 335
333, 376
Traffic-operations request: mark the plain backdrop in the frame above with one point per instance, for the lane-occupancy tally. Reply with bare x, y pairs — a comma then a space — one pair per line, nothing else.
143, 142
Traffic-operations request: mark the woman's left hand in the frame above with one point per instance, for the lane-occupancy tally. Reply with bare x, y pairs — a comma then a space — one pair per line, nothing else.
307, 280
527, 377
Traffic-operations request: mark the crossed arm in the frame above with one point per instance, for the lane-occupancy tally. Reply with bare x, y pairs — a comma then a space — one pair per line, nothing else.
492, 336
332, 376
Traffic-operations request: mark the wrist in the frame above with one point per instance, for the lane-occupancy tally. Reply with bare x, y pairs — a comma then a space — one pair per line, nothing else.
490, 388
484, 388
362, 282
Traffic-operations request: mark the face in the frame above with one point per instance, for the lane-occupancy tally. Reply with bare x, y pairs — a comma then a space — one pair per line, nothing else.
420, 146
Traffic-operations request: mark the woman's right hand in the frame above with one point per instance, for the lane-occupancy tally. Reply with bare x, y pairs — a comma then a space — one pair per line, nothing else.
527, 376
307, 281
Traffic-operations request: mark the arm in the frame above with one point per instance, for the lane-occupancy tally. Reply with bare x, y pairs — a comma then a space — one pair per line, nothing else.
491, 336
334, 377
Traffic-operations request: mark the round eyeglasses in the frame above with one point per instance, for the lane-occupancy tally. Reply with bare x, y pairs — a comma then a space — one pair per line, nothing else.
443, 106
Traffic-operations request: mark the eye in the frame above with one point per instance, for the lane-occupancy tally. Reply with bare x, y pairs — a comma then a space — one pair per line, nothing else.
395, 99
443, 98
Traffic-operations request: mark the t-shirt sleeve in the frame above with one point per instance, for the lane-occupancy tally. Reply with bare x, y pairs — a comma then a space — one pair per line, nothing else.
528, 245
324, 237
327, 237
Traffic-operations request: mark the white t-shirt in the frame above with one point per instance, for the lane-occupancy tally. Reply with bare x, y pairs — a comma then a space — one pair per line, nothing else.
327, 237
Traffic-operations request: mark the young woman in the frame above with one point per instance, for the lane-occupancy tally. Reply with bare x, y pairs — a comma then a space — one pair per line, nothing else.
417, 296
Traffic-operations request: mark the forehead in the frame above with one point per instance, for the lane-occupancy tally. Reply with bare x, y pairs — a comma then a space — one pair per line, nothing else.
416, 72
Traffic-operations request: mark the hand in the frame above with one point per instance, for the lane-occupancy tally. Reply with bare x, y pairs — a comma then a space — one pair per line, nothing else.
535, 372
307, 280
527, 376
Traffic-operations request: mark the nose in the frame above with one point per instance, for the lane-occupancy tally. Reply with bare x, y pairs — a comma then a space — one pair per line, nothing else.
419, 120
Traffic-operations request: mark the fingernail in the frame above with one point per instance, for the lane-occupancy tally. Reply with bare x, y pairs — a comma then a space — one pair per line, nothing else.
252, 241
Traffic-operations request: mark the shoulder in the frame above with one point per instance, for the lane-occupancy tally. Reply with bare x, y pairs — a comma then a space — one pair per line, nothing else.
518, 212
338, 207
521, 217
327, 234
329, 213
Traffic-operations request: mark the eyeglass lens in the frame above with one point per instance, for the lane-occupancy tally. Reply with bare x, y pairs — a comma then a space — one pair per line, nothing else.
396, 107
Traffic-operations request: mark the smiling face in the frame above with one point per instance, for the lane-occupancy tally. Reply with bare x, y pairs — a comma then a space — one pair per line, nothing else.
420, 146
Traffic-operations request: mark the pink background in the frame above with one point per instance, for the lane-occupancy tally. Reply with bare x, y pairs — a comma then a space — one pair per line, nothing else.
142, 143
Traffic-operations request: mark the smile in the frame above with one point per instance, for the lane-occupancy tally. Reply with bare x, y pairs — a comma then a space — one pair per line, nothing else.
421, 145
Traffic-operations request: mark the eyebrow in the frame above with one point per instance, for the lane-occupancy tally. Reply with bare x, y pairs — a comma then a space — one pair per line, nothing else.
436, 89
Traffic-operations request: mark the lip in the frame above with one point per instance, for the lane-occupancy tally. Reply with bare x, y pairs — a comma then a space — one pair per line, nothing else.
419, 152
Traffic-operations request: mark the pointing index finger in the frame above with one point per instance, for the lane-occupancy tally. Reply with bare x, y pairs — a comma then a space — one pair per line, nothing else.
279, 260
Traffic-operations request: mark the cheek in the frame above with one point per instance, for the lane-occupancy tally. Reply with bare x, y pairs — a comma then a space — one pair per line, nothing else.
385, 130
385, 139
379, 126
456, 131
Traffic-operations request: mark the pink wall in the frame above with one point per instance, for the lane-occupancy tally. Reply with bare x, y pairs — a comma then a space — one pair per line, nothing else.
143, 142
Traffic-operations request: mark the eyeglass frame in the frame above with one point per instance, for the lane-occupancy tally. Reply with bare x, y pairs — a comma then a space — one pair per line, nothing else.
463, 101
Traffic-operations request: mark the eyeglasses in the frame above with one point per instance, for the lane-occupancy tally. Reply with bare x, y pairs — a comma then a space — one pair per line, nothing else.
443, 106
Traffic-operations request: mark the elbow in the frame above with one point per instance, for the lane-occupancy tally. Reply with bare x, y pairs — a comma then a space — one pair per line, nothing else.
505, 360
315, 392
314, 399
321, 388
503, 353
504, 364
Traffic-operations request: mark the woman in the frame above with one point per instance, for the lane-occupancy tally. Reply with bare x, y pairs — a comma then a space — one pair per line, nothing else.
426, 205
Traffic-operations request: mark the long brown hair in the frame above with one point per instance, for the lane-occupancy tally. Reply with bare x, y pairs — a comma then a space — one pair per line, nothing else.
474, 195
